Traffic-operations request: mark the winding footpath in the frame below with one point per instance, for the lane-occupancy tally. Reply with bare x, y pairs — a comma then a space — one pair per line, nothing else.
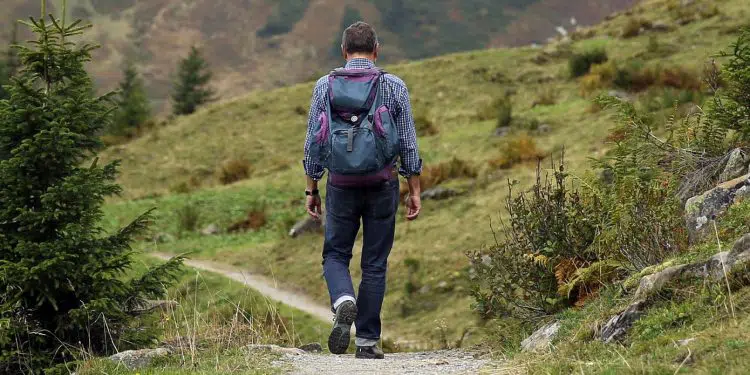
445, 362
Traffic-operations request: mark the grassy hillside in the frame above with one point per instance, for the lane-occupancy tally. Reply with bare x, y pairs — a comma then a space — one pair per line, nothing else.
216, 317
262, 43
177, 165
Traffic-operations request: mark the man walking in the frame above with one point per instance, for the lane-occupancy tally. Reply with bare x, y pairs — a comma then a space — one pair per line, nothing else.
360, 124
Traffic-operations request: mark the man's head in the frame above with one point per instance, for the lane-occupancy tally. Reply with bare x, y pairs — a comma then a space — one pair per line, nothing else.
360, 40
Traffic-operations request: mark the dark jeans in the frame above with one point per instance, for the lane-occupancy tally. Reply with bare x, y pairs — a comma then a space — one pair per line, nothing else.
376, 207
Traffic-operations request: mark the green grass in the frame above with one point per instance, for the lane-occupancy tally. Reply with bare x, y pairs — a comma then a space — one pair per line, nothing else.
268, 129
216, 318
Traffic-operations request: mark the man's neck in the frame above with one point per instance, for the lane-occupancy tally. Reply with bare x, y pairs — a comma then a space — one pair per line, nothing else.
361, 56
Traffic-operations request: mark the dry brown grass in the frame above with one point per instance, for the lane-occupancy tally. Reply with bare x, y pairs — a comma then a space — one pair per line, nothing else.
434, 175
256, 219
519, 149
234, 170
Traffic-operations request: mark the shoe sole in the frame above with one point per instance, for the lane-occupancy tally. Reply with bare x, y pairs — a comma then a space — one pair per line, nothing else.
338, 341
362, 356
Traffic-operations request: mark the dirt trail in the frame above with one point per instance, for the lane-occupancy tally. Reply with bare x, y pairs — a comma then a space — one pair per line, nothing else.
425, 363
263, 285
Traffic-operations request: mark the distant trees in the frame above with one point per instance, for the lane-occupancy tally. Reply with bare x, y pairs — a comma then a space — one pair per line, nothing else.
63, 288
191, 88
133, 107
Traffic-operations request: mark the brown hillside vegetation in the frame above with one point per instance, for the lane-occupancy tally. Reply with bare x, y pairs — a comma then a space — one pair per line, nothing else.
157, 33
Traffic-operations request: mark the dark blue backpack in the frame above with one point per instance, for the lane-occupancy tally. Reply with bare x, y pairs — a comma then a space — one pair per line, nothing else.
356, 135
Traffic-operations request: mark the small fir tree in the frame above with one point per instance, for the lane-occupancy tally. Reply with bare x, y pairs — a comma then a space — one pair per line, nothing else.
133, 108
62, 284
191, 90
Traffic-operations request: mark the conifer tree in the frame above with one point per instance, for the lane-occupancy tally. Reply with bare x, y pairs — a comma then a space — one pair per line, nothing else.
191, 88
62, 284
133, 108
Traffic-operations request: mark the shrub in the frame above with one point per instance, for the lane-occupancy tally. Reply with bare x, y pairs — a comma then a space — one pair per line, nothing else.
434, 175
256, 219
516, 150
579, 64
188, 218
632, 28
545, 97
234, 170
549, 227
731, 107
500, 109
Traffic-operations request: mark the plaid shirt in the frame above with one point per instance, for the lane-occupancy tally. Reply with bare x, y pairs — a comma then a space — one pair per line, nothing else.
395, 96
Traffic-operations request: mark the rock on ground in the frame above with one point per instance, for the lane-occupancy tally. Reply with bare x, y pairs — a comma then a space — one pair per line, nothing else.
428, 363
541, 339
736, 165
276, 349
135, 359
438, 193
701, 209
617, 327
210, 230
306, 225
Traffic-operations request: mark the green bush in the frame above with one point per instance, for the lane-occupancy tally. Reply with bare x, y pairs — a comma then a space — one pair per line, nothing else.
549, 227
579, 64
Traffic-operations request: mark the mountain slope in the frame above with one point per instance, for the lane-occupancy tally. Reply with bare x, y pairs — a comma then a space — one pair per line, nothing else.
264, 43
174, 167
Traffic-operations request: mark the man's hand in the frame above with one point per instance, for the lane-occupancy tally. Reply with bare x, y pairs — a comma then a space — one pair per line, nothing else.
414, 201
314, 207
413, 207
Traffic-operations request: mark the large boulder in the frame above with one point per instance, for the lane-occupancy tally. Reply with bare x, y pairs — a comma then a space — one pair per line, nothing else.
736, 165
136, 359
306, 225
701, 209
541, 339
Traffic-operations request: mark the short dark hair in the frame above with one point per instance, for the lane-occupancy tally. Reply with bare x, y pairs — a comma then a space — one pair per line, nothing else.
359, 38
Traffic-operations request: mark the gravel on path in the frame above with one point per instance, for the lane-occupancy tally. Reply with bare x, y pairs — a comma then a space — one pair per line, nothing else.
446, 362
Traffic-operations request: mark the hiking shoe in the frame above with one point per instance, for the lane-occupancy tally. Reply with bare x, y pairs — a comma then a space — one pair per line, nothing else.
346, 314
369, 352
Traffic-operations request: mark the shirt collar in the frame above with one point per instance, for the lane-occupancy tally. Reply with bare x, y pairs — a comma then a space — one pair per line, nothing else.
359, 63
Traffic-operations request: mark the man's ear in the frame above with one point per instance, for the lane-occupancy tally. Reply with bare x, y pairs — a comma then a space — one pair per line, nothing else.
377, 49
343, 52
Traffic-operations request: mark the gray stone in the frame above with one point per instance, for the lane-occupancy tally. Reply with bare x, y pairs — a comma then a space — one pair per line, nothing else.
656, 281
438, 193
314, 347
135, 359
541, 339
275, 349
622, 95
685, 342
741, 194
701, 209
736, 165
617, 327
544, 128
713, 269
306, 225
210, 230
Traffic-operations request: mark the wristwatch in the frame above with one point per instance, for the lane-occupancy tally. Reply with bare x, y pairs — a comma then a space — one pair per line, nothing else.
315, 193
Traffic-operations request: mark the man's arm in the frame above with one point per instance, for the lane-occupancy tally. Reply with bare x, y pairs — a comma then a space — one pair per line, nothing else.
313, 171
411, 164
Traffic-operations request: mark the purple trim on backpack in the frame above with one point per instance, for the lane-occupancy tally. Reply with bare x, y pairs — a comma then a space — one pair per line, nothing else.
361, 181
330, 87
379, 120
324, 130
